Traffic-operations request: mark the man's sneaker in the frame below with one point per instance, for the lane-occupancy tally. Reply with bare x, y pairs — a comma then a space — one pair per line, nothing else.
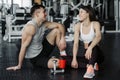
63, 53
89, 75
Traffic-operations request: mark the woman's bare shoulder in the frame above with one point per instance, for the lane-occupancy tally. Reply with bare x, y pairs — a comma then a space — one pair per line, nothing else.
96, 22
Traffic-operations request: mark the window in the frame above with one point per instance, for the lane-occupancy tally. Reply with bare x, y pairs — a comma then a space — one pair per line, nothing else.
21, 3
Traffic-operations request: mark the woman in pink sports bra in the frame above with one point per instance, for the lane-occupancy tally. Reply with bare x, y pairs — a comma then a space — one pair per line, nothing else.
87, 31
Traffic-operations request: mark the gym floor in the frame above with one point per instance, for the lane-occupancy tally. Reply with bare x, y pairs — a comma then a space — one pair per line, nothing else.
109, 69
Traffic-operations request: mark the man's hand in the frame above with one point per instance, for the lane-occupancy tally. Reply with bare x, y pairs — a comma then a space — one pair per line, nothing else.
14, 68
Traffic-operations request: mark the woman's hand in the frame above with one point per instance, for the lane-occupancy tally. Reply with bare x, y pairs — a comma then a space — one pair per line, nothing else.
14, 68
74, 63
88, 53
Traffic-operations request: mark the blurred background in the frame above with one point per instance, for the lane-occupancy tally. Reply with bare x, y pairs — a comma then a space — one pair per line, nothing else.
15, 13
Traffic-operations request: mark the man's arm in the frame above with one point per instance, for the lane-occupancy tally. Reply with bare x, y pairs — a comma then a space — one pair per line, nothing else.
61, 28
52, 25
27, 34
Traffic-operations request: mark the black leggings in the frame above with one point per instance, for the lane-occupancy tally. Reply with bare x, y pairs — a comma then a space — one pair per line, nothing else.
97, 54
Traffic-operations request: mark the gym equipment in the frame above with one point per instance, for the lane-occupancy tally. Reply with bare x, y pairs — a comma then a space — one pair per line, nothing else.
61, 67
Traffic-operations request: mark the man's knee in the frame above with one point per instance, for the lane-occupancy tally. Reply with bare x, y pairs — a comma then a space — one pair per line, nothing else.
51, 63
56, 31
52, 32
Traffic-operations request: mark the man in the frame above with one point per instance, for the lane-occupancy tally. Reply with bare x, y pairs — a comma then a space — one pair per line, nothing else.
34, 46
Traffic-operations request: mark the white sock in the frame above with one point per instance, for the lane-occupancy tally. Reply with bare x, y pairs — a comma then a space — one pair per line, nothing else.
63, 53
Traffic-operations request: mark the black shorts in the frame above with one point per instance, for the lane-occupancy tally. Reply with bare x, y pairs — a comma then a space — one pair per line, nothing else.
42, 59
